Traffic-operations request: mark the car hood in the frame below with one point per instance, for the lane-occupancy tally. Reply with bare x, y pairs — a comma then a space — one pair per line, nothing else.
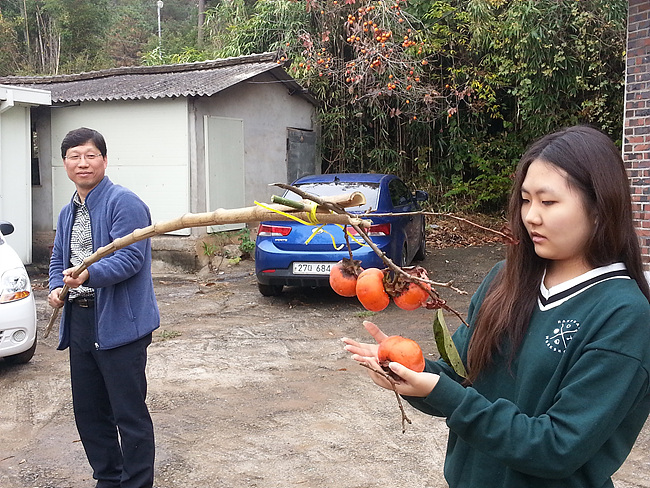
9, 259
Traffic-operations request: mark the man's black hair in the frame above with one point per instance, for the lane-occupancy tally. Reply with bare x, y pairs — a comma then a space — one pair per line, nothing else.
78, 137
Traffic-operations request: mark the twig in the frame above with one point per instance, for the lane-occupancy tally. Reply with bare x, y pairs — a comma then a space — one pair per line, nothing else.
461, 219
347, 242
393, 384
437, 300
389, 263
503, 235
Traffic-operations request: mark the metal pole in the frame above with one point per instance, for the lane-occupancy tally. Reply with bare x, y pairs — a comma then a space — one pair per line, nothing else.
159, 4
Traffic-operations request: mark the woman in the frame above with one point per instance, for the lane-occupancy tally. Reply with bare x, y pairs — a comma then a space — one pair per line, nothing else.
558, 348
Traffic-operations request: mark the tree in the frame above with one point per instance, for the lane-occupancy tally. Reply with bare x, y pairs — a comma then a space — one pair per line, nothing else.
444, 92
9, 54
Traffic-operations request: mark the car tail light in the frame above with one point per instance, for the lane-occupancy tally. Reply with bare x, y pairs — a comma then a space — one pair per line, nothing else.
273, 230
378, 230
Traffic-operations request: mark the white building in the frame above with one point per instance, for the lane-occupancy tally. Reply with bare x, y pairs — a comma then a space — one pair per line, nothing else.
16, 162
186, 138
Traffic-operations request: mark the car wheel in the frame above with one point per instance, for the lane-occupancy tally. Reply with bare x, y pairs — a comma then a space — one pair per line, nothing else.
270, 290
422, 250
403, 259
23, 357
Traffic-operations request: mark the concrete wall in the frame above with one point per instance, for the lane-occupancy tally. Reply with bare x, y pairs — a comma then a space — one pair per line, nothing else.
267, 110
148, 151
157, 149
16, 162
636, 137
15, 179
42, 193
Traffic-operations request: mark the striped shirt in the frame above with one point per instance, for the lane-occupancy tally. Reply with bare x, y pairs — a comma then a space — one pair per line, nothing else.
81, 244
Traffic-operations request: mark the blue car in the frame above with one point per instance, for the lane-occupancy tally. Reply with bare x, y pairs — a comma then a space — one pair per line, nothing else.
289, 253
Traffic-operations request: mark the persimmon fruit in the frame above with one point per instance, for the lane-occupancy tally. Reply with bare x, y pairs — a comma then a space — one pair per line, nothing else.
412, 297
409, 295
401, 350
370, 290
343, 277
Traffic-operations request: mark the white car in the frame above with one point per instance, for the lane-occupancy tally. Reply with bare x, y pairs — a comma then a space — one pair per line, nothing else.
17, 304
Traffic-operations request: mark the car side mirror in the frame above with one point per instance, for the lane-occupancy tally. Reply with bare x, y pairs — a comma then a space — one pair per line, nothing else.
6, 228
421, 196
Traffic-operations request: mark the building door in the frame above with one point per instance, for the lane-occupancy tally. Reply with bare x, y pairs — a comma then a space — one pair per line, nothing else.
301, 153
224, 163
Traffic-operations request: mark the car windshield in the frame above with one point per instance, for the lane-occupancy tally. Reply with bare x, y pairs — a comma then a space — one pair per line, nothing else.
370, 191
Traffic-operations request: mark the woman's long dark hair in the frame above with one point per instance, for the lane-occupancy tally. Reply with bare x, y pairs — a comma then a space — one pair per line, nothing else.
595, 169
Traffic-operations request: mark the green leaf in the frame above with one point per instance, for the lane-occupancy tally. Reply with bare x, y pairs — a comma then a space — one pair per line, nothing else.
446, 346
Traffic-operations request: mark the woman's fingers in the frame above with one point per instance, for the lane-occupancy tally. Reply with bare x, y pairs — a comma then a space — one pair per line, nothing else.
360, 348
374, 331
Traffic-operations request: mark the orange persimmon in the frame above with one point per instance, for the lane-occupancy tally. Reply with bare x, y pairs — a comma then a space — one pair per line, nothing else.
343, 277
370, 290
409, 295
412, 295
401, 350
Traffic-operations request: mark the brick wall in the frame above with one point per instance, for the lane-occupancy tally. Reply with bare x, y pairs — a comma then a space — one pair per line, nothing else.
636, 138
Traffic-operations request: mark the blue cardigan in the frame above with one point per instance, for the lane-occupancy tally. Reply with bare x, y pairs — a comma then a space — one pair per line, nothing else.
125, 303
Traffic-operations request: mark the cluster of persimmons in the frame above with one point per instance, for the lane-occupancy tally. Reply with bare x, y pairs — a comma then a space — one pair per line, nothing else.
374, 287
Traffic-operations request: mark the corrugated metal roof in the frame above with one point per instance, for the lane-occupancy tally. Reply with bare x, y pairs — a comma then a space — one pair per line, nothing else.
149, 82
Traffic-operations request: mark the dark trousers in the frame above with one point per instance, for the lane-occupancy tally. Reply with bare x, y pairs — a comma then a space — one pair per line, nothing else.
109, 388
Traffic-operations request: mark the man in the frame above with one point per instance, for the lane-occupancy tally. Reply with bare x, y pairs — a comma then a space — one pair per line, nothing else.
108, 316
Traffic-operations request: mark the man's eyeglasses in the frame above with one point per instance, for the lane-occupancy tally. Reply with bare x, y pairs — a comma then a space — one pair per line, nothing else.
87, 157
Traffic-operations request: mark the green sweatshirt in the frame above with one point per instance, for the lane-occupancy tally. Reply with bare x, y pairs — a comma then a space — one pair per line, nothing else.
568, 410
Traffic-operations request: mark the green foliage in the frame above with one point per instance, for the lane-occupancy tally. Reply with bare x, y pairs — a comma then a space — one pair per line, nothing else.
156, 57
166, 335
210, 249
236, 28
445, 93
131, 27
246, 245
67, 36
553, 63
485, 166
10, 53
82, 27
364, 314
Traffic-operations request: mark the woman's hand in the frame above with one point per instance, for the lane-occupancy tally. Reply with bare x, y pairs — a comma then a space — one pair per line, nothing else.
362, 348
410, 383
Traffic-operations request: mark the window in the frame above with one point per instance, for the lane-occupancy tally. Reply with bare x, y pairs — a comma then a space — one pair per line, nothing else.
36, 171
399, 194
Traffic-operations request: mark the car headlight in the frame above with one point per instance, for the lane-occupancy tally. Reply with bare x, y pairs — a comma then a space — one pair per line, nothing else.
14, 285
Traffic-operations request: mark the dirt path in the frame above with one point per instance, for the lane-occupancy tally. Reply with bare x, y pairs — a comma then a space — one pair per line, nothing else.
248, 391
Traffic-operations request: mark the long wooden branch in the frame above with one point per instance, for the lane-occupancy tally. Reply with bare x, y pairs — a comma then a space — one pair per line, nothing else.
217, 217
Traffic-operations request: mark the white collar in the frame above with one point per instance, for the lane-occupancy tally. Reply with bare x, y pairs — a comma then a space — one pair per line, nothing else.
558, 294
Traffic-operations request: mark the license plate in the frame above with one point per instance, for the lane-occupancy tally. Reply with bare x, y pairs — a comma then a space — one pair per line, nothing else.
312, 268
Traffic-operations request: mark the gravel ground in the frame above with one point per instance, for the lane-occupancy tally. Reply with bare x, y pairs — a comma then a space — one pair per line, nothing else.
250, 391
